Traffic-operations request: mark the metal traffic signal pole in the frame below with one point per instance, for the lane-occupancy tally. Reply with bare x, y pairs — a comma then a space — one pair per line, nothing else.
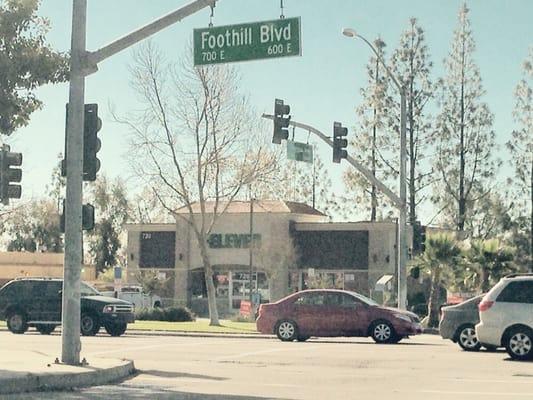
83, 63
70, 333
399, 202
364, 171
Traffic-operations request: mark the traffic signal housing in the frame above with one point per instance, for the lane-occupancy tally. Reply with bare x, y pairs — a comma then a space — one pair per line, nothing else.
339, 142
281, 121
10, 176
87, 218
91, 143
419, 238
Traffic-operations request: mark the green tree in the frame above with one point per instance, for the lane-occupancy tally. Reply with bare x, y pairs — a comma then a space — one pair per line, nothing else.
34, 227
152, 283
441, 254
464, 137
111, 211
489, 261
521, 147
411, 63
26, 62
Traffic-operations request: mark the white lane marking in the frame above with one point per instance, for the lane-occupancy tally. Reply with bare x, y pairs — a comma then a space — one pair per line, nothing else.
508, 394
153, 346
530, 382
250, 353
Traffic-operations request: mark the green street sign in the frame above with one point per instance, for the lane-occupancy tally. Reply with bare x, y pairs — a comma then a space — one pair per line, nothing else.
251, 41
299, 151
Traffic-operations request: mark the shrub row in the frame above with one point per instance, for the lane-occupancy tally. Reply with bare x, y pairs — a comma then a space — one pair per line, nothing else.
171, 314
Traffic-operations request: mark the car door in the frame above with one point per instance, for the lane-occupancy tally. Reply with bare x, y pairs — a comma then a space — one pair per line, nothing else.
355, 315
309, 314
335, 314
30, 299
515, 303
51, 302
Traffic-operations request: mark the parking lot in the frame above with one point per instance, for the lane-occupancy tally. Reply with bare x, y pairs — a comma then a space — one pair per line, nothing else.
425, 367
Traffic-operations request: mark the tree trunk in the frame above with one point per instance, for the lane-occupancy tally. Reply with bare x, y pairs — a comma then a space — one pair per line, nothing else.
373, 195
531, 222
485, 284
412, 156
211, 292
433, 306
462, 201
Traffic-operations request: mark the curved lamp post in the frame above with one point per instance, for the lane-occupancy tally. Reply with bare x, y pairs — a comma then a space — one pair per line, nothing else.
402, 228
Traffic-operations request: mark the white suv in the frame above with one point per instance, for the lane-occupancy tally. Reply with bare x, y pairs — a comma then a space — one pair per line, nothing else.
506, 314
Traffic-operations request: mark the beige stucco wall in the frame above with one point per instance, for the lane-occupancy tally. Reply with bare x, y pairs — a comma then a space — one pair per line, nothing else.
276, 246
48, 265
275, 243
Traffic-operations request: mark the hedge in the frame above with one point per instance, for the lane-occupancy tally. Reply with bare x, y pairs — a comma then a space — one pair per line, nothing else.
170, 314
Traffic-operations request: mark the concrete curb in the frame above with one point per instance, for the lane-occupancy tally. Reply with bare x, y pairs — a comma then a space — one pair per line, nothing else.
431, 331
29, 382
133, 332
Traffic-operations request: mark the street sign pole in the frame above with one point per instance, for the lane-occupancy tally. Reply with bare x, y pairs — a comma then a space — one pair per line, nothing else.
70, 333
83, 63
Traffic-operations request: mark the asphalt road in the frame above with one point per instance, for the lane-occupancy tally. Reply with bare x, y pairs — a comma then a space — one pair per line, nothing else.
424, 367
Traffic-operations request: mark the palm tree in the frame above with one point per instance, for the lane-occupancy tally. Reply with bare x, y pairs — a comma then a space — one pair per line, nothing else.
491, 260
442, 252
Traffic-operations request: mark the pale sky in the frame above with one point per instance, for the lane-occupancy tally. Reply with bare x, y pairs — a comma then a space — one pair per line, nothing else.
322, 86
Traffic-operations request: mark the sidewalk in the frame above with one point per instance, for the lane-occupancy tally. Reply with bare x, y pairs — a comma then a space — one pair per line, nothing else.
25, 371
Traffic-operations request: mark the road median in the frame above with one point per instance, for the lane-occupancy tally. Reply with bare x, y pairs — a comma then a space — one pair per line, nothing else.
24, 371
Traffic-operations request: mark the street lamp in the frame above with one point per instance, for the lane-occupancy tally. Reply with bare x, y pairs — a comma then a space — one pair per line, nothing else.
402, 228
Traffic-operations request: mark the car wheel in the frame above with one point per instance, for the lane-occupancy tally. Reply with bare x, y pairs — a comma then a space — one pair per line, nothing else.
519, 343
396, 339
382, 332
45, 329
467, 338
302, 338
116, 329
286, 331
89, 325
16, 322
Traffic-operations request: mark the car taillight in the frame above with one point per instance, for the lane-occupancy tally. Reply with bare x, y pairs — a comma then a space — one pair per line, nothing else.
485, 305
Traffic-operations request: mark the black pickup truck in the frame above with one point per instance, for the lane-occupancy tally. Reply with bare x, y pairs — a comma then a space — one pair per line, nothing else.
36, 302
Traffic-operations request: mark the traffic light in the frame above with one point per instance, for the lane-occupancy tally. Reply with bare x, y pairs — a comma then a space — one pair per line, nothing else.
10, 175
87, 218
91, 143
281, 121
339, 143
419, 238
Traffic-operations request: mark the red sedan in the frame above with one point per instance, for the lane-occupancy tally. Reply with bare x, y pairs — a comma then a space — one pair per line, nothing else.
330, 312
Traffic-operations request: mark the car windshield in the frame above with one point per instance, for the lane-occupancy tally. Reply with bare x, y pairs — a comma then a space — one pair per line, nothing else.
364, 299
87, 290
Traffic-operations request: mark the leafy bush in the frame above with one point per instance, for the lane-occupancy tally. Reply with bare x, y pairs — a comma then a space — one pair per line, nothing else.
170, 314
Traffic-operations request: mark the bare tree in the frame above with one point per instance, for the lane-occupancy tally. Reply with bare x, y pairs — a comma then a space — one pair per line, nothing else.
194, 143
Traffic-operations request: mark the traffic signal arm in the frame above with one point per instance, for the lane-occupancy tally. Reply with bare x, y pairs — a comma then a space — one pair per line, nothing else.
364, 171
